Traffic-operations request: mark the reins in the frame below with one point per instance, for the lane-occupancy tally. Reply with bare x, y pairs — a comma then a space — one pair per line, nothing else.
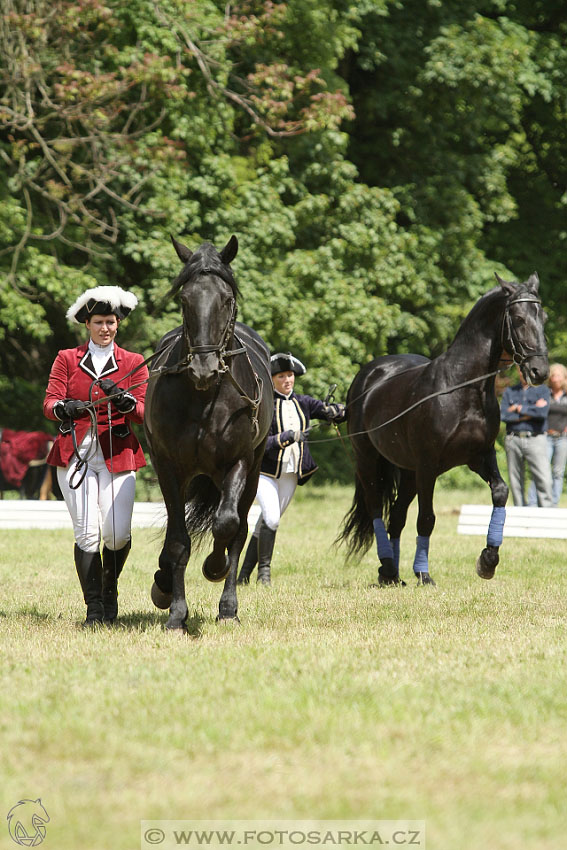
519, 357
413, 406
518, 352
223, 352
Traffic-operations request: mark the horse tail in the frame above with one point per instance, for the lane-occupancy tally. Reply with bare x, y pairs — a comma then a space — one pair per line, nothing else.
200, 507
358, 525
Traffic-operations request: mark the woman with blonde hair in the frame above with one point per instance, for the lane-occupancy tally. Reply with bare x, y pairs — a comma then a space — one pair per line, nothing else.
556, 432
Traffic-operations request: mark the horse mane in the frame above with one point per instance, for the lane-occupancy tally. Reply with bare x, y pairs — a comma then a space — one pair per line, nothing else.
205, 260
493, 295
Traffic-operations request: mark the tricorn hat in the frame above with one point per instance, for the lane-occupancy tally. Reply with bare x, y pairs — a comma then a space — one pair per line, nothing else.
286, 363
101, 301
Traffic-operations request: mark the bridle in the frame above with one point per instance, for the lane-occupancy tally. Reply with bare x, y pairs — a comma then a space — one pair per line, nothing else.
224, 353
221, 348
517, 350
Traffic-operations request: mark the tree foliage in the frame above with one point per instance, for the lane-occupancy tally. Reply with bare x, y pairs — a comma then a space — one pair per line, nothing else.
378, 161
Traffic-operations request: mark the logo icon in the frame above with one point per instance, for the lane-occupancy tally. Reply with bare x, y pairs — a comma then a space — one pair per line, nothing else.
26, 823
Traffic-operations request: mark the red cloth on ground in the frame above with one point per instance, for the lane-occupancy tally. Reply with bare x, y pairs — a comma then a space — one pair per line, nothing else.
17, 449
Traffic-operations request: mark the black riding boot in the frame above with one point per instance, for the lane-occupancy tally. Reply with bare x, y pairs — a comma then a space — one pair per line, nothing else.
89, 570
112, 563
266, 540
249, 562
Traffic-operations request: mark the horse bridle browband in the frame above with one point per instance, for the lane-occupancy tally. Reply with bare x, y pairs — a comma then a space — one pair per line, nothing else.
518, 352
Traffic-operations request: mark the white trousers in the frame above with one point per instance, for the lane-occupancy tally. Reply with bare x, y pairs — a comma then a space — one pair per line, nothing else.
95, 494
274, 495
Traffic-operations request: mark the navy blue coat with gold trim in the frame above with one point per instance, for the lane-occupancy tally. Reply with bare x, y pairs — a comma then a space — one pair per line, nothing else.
307, 408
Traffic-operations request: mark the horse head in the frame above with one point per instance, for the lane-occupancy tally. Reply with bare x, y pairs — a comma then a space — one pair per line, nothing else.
523, 333
208, 303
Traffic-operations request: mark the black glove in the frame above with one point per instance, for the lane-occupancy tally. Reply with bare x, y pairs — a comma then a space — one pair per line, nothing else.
289, 437
123, 401
335, 412
71, 408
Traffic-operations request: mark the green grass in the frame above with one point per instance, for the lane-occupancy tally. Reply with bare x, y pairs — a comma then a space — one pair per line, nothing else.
332, 700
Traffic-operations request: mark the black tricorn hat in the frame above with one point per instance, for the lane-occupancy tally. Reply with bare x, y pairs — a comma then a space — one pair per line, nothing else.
286, 363
102, 301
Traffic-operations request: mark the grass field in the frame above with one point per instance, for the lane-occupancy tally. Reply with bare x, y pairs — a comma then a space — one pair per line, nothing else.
332, 700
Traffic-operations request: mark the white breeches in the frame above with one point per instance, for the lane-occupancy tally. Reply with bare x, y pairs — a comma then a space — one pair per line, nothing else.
274, 495
91, 504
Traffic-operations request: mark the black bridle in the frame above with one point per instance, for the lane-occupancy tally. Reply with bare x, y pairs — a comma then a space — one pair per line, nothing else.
220, 348
519, 352
224, 353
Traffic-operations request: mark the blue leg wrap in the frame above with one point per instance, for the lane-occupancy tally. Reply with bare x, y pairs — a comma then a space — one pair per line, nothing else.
382, 540
395, 541
421, 561
496, 527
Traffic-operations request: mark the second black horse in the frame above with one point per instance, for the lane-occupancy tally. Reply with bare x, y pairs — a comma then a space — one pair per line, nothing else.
411, 419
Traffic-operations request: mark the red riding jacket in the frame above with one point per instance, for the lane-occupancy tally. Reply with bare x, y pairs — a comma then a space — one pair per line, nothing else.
71, 377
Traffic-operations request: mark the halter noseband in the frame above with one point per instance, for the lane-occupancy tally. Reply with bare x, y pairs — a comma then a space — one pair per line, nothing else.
518, 352
221, 347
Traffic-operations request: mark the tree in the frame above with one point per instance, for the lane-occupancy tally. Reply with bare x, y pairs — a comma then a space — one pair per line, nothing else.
460, 111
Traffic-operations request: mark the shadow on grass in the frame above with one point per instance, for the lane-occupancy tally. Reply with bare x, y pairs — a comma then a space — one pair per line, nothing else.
28, 612
142, 621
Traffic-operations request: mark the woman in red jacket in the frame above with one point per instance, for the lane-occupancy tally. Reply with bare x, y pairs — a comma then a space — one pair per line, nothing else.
95, 452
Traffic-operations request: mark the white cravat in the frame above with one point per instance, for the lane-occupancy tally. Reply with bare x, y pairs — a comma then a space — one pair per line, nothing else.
290, 422
100, 355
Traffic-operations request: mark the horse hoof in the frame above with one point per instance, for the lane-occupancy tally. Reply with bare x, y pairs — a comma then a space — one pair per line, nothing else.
389, 582
425, 578
159, 598
486, 563
482, 570
223, 621
178, 631
213, 575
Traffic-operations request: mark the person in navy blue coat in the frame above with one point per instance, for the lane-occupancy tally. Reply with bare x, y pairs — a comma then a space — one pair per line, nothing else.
287, 460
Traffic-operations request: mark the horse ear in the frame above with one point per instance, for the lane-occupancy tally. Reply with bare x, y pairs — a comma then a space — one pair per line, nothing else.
183, 253
506, 285
229, 251
533, 281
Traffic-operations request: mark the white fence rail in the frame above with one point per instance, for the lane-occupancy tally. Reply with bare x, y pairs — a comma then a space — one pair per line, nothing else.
520, 522
21, 513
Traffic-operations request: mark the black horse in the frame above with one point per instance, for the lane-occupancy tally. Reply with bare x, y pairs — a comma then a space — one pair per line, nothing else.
411, 418
208, 411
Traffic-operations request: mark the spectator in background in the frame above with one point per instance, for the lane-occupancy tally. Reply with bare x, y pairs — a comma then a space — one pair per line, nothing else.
556, 433
525, 409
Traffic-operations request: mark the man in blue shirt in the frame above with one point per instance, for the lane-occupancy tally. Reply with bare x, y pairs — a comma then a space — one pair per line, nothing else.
524, 409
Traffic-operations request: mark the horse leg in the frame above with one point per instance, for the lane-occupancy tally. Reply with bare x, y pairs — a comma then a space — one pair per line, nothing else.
226, 523
229, 533
487, 468
425, 525
374, 488
168, 590
228, 604
398, 517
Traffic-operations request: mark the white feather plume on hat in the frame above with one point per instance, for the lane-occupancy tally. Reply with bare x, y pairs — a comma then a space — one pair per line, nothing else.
102, 300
